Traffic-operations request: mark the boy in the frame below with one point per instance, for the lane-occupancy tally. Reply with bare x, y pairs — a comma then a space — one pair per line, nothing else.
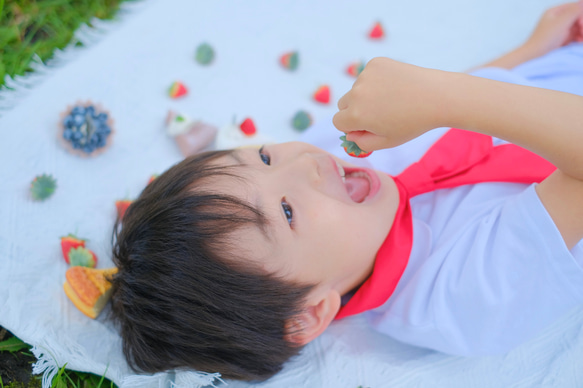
231, 261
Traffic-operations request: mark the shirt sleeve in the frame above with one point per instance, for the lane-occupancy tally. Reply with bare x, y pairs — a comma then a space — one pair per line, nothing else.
488, 283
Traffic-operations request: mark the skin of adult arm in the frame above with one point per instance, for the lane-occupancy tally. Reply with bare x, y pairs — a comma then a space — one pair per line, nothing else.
394, 102
557, 27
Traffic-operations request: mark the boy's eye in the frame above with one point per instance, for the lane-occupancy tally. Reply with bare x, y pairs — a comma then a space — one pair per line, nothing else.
264, 158
287, 210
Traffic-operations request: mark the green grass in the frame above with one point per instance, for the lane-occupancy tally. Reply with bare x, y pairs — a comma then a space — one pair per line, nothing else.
17, 353
29, 27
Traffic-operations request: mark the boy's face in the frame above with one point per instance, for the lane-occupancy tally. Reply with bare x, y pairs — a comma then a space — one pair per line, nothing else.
322, 230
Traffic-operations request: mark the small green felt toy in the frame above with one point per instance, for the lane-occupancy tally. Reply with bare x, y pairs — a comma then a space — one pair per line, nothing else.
353, 149
83, 257
301, 120
205, 54
42, 187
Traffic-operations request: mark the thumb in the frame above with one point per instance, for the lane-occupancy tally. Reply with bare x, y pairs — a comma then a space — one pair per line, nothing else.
368, 141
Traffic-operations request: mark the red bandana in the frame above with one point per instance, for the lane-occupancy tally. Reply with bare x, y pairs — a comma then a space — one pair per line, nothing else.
458, 158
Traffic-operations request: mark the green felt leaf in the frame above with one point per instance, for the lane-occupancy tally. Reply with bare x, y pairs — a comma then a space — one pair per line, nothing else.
351, 147
81, 256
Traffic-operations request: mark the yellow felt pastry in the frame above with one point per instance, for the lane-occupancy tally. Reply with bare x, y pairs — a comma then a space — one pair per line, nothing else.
88, 288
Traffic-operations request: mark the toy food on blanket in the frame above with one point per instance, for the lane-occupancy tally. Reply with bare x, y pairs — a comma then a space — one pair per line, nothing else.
190, 136
248, 127
152, 178
376, 31
83, 257
86, 129
42, 187
290, 60
204, 54
353, 149
88, 288
354, 69
69, 242
322, 94
122, 206
244, 134
301, 120
177, 89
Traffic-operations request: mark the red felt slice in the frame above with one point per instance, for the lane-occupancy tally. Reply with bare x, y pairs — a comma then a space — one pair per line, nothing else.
377, 31
122, 207
322, 94
248, 127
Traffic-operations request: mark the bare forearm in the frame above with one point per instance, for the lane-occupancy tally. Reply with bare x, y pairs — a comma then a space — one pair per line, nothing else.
512, 59
546, 122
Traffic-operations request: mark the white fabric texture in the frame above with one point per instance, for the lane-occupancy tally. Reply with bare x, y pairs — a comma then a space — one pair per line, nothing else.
127, 67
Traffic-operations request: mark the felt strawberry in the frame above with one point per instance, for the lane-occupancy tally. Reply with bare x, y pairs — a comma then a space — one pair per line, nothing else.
121, 207
177, 90
353, 149
377, 31
248, 127
290, 60
83, 257
322, 94
152, 177
354, 69
69, 242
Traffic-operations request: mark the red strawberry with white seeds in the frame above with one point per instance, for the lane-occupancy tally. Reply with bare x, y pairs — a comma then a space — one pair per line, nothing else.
352, 149
248, 127
69, 242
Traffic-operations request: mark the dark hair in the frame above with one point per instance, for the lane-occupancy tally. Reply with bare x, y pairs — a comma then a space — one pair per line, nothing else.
185, 296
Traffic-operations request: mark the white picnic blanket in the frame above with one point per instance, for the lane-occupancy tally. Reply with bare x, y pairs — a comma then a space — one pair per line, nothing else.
127, 67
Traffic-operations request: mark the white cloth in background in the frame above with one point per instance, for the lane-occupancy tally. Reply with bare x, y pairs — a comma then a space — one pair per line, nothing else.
129, 69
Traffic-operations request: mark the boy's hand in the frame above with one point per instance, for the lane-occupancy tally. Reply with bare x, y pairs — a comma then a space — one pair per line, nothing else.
557, 27
391, 103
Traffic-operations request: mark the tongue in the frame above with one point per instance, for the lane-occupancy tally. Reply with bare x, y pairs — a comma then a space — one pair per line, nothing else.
357, 188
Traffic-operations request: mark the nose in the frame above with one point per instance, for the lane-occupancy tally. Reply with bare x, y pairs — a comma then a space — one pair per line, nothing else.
301, 167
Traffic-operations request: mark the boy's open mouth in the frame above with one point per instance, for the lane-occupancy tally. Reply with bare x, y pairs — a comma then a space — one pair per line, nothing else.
358, 182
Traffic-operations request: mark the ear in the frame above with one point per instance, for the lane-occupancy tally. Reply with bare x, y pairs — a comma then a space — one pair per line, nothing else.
314, 319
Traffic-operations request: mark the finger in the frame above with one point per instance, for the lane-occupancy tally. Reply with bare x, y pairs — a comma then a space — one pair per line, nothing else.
343, 102
368, 141
345, 121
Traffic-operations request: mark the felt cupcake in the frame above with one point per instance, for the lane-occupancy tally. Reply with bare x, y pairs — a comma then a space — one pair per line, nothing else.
85, 129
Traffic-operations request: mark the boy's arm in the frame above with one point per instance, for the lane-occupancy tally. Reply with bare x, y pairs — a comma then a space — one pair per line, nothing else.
396, 102
557, 27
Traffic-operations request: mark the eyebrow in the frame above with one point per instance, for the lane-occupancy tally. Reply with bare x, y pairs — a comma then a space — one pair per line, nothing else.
258, 202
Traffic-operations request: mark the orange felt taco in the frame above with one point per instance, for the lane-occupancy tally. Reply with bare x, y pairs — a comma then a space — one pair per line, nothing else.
88, 288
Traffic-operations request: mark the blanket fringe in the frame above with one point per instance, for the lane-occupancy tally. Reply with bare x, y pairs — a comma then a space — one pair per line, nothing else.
17, 87
182, 379
45, 364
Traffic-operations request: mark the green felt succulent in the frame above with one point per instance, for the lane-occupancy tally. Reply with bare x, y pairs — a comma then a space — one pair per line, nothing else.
42, 187
301, 120
205, 54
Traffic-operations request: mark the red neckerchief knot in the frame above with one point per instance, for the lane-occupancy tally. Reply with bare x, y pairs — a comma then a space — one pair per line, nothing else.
458, 158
